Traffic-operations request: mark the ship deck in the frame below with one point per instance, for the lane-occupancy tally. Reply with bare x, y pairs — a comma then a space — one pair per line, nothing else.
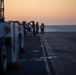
53, 53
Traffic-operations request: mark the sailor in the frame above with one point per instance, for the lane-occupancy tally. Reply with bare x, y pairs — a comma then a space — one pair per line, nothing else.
42, 28
33, 27
37, 28
24, 26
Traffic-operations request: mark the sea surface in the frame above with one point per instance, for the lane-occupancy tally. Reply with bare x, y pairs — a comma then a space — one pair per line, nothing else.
60, 28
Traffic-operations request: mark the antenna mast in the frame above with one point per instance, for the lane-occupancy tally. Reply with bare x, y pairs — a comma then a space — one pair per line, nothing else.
1, 10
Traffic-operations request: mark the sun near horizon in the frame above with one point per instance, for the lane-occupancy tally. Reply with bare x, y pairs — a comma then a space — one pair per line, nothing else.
47, 11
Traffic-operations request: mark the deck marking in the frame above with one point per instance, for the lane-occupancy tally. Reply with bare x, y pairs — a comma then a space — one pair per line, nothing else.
45, 59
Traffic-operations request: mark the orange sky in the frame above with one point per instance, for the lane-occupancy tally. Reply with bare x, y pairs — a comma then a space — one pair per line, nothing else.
47, 11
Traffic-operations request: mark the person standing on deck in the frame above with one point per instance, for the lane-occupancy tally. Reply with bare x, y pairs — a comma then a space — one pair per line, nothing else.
24, 26
33, 27
37, 28
42, 28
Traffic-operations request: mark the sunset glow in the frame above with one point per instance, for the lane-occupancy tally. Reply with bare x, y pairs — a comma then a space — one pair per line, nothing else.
47, 11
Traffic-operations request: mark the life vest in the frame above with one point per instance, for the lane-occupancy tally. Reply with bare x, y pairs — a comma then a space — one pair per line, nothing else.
42, 26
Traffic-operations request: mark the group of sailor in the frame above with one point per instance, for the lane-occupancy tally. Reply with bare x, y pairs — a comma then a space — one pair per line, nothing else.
34, 27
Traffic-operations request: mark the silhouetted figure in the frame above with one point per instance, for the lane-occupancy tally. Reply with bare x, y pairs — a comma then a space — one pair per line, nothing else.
33, 27
42, 28
24, 26
37, 28
29, 27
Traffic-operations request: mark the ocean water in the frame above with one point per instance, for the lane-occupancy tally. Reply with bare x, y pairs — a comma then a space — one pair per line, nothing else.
60, 28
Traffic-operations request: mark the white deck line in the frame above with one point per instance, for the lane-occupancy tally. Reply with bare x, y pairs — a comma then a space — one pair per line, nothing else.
45, 58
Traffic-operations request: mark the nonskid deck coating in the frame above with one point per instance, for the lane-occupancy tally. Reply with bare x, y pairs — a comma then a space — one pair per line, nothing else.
32, 62
60, 50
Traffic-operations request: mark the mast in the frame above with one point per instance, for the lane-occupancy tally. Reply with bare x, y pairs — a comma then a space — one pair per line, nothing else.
1, 10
